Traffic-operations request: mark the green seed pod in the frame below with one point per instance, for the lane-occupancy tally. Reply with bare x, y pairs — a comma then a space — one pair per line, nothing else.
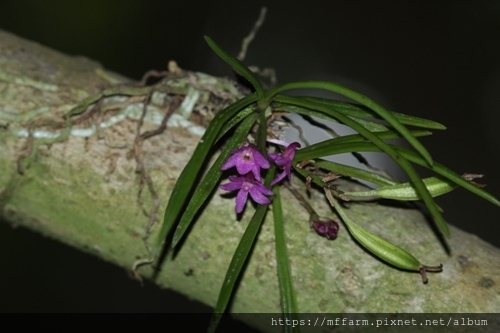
405, 191
383, 249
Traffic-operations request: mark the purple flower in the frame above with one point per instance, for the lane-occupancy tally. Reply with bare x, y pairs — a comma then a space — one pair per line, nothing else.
246, 159
284, 160
247, 184
328, 228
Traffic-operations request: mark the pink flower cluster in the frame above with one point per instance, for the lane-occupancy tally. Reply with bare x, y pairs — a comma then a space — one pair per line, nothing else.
249, 162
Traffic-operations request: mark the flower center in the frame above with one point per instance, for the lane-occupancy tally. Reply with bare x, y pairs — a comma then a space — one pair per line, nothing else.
247, 155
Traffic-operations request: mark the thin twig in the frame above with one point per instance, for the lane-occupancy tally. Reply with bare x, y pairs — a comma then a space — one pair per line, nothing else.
248, 39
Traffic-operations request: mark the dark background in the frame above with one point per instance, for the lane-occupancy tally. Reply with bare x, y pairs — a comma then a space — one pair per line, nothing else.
434, 59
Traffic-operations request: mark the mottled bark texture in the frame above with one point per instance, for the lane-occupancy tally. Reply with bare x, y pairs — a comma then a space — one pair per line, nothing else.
91, 190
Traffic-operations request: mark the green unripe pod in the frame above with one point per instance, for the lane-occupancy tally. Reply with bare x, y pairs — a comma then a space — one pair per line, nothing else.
381, 248
405, 191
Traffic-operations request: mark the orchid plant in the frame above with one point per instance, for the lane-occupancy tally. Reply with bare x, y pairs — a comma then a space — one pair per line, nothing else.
262, 167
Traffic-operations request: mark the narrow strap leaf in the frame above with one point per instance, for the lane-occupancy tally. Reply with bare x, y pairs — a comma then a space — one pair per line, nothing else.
328, 147
239, 258
386, 148
370, 125
450, 174
376, 138
357, 173
287, 296
357, 97
236, 265
237, 66
338, 148
411, 156
361, 111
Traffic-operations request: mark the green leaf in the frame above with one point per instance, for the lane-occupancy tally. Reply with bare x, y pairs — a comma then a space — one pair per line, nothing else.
187, 179
369, 125
450, 174
376, 138
210, 180
236, 265
239, 258
414, 158
237, 66
338, 148
332, 146
386, 148
360, 111
355, 96
287, 296
417, 159
349, 171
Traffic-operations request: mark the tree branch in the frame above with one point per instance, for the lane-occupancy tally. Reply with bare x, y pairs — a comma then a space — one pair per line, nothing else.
101, 187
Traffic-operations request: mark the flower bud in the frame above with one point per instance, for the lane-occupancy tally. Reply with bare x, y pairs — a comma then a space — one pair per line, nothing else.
328, 228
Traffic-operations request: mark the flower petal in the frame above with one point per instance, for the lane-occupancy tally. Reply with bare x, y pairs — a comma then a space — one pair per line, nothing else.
241, 199
280, 177
260, 160
262, 189
230, 162
232, 186
258, 197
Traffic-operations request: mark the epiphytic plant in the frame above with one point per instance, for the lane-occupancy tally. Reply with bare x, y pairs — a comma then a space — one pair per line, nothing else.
265, 164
